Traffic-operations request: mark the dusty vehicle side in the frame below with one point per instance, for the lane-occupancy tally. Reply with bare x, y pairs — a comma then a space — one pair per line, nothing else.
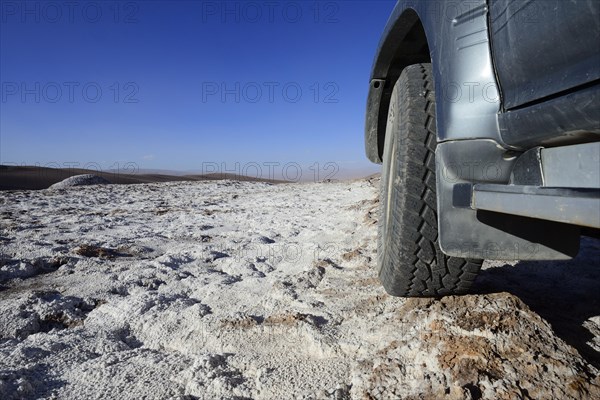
486, 117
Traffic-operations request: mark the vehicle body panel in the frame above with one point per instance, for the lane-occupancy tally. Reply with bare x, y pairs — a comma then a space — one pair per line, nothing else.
544, 47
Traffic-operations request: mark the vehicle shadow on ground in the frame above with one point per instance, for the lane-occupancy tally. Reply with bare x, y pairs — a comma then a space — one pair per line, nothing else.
564, 293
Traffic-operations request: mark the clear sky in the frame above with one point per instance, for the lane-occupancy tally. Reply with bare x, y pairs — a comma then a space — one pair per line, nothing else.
176, 85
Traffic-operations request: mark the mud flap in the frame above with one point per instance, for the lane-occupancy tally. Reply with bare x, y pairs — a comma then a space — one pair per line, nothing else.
468, 233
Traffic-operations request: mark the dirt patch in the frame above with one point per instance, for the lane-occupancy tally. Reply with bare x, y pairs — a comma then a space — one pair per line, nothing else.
350, 255
289, 319
88, 250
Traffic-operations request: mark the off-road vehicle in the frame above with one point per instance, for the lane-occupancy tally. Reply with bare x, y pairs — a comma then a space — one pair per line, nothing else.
486, 117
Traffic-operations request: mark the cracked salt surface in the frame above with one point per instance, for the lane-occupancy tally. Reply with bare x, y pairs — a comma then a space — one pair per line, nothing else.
231, 290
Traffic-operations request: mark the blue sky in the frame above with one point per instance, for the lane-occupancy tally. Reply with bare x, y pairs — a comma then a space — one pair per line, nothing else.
178, 84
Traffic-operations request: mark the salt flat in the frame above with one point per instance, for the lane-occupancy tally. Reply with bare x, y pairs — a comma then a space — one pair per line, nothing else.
245, 290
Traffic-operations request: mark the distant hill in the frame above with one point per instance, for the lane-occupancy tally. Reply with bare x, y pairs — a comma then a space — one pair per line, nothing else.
35, 178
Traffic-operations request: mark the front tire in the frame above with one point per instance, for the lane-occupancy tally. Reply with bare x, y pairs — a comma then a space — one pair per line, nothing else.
410, 260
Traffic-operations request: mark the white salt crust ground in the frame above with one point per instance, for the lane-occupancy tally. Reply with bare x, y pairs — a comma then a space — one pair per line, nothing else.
228, 290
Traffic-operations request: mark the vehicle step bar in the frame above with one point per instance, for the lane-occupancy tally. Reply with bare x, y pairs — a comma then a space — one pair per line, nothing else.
572, 206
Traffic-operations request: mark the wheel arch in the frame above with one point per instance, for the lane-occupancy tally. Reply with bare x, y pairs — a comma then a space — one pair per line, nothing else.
453, 37
403, 43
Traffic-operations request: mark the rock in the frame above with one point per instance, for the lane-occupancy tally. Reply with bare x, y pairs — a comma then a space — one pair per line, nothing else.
480, 347
263, 240
80, 180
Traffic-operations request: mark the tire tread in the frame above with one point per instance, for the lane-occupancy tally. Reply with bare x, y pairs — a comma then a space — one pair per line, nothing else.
410, 260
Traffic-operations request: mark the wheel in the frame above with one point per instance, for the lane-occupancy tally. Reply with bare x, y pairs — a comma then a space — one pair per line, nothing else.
410, 261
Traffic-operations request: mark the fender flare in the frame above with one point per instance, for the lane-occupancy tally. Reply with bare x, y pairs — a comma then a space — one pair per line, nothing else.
458, 46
